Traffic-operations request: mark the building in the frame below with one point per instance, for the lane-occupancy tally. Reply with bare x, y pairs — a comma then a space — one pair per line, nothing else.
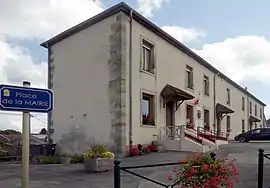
268, 123
99, 97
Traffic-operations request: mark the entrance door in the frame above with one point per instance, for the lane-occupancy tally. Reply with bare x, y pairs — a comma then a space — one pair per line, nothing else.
206, 119
219, 116
170, 119
189, 116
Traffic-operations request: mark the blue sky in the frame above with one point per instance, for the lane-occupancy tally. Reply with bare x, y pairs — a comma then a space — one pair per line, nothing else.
232, 35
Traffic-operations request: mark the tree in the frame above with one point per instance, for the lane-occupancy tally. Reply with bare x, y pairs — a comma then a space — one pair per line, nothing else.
10, 132
43, 131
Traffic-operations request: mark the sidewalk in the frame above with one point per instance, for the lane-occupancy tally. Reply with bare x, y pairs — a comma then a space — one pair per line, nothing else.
70, 176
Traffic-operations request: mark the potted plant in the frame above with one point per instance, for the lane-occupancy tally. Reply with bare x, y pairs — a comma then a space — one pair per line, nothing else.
204, 171
65, 159
98, 159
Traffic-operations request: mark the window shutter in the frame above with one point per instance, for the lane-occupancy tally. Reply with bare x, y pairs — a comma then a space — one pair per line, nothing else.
191, 79
207, 87
153, 64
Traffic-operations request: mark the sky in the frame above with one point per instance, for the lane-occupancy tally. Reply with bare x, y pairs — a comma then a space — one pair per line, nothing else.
231, 35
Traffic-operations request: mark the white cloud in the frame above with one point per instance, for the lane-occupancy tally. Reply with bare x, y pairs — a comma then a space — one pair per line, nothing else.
183, 34
34, 19
41, 19
241, 58
267, 111
146, 7
17, 65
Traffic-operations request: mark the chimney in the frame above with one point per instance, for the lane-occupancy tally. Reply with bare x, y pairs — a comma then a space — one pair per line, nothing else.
246, 88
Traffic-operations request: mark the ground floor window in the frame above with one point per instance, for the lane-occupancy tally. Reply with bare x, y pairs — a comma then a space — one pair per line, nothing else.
148, 109
206, 119
228, 123
189, 116
243, 126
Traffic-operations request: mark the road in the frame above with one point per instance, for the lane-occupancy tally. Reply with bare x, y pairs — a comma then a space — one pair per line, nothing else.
246, 155
70, 176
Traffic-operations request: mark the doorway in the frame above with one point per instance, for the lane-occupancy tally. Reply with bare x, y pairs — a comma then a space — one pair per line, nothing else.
170, 118
189, 117
206, 119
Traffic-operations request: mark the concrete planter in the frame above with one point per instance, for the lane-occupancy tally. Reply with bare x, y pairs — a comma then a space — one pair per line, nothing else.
98, 164
65, 160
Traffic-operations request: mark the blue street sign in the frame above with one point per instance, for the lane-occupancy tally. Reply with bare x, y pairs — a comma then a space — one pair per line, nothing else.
16, 98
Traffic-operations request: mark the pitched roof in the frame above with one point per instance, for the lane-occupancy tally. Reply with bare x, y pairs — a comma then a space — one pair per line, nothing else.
151, 26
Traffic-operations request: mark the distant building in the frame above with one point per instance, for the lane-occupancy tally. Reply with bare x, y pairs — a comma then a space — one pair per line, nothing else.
268, 123
119, 79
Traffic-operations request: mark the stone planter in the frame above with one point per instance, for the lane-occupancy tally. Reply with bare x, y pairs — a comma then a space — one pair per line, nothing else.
65, 160
98, 164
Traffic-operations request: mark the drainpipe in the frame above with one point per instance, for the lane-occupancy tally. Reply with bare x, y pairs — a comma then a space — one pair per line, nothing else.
248, 110
214, 87
130, 79
49, 116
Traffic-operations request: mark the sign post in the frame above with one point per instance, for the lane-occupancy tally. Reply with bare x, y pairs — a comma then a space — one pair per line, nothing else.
25, 99
25, 145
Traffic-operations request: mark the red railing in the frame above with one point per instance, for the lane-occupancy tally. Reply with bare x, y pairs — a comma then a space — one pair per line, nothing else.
212, 134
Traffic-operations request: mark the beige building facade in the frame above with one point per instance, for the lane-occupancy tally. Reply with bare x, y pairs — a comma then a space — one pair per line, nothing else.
118, 79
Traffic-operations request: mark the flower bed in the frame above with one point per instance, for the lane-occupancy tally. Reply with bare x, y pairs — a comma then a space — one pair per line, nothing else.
202, 171
142, 149
98, 159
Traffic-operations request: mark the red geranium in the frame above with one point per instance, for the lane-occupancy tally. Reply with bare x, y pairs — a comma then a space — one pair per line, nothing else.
201, 171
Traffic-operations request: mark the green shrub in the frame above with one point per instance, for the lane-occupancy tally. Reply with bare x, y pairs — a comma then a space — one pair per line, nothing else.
47, 159
77, 159
96, 151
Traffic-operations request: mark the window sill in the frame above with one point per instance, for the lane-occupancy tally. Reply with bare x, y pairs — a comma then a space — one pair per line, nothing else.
208, 96
148, 125
190, 89
147, 72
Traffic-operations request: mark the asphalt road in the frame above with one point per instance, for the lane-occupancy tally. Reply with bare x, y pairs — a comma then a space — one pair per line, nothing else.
246, 155
70, 176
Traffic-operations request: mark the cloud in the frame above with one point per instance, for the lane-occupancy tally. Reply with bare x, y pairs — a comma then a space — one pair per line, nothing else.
146, 7
42, 19
28, 20
240, 58
17, 65
184, 35
243, 58
267, 111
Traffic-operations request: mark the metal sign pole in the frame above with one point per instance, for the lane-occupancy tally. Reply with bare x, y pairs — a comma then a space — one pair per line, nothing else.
25, 145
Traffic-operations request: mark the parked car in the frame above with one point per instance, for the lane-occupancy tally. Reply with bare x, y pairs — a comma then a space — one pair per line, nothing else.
253, 135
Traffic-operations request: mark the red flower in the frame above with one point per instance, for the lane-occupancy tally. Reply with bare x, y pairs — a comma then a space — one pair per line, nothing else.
212, 173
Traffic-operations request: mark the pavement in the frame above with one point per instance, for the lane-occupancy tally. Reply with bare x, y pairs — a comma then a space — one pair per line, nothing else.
70, 176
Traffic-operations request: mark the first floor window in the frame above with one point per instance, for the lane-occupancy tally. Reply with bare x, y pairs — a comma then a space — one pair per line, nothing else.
148, 109
148, 61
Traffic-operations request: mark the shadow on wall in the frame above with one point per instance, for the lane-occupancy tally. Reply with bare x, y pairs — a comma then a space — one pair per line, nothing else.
75, 142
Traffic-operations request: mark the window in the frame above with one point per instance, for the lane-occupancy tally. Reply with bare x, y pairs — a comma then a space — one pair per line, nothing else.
256, 131
189, 116
243, 126
243, 103
255, 110
250, 107
148, 62
206, 119
228, 96
189, 77
148, 109
228, 123
206, 85
261, 113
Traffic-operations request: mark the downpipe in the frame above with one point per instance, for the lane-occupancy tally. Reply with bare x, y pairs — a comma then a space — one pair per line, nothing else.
130, 80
